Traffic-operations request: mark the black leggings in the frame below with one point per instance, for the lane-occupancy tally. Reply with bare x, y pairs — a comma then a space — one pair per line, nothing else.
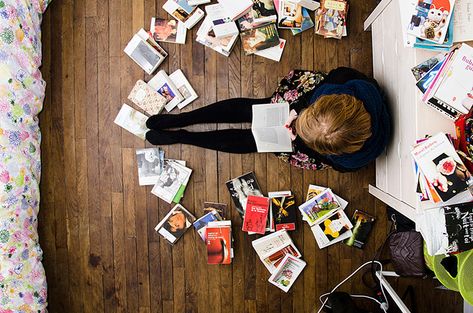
236, 110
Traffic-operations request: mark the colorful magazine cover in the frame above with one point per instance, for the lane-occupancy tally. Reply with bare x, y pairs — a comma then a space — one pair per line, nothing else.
200, 225
287, 273
260, 38
332, 228
363, 224
256, 214
240, 188
219, 242
322, 204
284, 212
262, 12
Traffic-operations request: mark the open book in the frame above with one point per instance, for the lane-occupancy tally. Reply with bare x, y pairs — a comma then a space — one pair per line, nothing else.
268, 127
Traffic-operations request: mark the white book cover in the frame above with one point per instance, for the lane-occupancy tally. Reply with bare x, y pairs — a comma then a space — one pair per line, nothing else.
184, 87
429, 20
273, 53
332, 228
132, 120
150, 165
268, 127
175, 224
222, 24
171, 31
145, 55
165, 87
170, 181
463, 21
236, 9
206, 36
287, 273
456, 89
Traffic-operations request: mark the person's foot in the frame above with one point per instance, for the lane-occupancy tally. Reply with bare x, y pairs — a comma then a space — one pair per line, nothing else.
161, 137
161, 121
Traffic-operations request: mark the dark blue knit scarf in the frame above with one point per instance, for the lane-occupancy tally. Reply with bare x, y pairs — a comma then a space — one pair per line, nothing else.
380, 121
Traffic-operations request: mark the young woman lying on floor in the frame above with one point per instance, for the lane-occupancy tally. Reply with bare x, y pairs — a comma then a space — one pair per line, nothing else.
339, 120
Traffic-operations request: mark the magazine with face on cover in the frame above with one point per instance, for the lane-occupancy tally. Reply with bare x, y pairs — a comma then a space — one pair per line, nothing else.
132, 120
240, 188
163, 84
260, 38
170, 181
175, 224
150, 165
172, 31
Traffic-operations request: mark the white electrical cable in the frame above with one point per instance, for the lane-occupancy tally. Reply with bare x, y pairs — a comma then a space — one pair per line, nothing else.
350, 276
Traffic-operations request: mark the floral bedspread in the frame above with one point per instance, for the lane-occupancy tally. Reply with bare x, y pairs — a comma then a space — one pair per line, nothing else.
22, 277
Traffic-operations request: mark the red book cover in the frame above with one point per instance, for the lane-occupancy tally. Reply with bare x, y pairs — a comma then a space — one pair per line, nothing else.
219, 245
256, 214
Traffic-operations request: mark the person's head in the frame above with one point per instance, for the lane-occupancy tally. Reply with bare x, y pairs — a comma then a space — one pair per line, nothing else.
334, 125
177, 222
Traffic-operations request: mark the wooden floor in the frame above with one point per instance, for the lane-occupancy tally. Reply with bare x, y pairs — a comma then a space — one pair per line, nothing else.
101, 253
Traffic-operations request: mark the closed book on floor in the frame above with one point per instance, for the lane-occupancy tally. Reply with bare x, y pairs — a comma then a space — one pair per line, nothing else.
256, 214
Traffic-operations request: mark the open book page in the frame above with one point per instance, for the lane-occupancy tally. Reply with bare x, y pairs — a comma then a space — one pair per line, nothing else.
268, 127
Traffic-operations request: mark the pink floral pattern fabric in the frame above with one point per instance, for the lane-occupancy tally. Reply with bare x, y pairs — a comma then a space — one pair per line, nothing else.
296, 87
22, 277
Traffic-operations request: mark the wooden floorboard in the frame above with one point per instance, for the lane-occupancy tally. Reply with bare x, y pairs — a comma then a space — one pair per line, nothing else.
101, 253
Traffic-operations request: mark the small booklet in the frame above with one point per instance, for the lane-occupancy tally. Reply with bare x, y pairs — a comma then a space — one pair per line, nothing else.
175, 224
132, 120
145, 51
290, 15
165, 30
284, 210
268, 127
273, 53
260, 38
332, 228
184, 87
183, 12
150, 165
272, 248
318, 206
219, 242
148, 99
220, 208
287, 273
263, 12
200, 225
363, 224
242, 187
163, 84
256, 214
172, 181
222, 24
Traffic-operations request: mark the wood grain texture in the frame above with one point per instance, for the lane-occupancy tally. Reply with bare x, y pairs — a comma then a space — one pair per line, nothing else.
101, 253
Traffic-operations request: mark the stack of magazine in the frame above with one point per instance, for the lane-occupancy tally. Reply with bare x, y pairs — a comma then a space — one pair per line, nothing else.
324, 212
169, 177
281, 257
446, 81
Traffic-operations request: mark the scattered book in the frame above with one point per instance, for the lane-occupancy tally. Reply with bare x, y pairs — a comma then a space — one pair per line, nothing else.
222, 24
206, 36
219, 242
307, 22
419, 71
163, 84
183, 12
242, 187
314, 190
268, 127
200, 224
261, 38
261, 13
331, 17
132, 120
185, 88
145, 51
148, 99
171, 182
442, 166
430, 20
332, 228
220, 208
171, 31
150, 165
272, 249
318, 206
284, 210
448, 229
256, 214
289, 15
287, 273
273, 53
236, 9
175, 224
363, 224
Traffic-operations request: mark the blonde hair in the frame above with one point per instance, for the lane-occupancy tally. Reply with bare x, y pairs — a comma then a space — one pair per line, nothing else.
334, 125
